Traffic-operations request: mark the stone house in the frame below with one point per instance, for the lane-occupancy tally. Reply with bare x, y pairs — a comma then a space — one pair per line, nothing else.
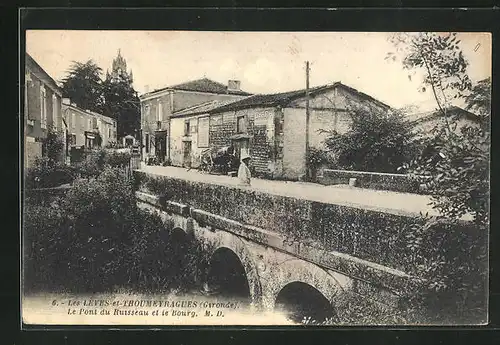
157, 107
42, 110
87, 128
271, 128
190, 133
424, 123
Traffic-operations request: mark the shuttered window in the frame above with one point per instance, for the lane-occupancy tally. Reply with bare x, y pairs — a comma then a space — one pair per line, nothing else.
55, 118
43, 107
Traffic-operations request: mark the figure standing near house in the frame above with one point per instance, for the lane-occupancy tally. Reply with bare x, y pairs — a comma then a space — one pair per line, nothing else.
244, 174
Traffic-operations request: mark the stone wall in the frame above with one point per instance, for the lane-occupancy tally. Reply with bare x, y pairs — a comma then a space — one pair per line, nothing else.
32, 151
260, 130
372, 180
370, 235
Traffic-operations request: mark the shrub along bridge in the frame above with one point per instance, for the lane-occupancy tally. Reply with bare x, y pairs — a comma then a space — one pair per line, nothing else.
305, 253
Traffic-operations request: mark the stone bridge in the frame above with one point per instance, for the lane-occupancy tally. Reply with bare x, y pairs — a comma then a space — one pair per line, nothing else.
278, 251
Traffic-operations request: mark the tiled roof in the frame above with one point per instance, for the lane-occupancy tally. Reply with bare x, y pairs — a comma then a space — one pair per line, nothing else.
202, 85
202, 107
452, 110
105, 118
285, 97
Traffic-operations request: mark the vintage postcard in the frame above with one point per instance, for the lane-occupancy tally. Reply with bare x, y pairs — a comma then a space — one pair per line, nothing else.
185, 178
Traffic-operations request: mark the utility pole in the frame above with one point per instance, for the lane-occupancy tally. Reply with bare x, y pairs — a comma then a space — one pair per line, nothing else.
307, 120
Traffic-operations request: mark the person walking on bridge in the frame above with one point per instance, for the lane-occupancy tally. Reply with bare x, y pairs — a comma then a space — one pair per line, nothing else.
243, 171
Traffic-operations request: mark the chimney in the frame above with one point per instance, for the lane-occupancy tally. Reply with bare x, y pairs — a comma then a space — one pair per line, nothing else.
66, 101
146, 88
233, 85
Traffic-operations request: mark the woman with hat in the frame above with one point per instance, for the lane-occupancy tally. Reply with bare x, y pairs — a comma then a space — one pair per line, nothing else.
243, 171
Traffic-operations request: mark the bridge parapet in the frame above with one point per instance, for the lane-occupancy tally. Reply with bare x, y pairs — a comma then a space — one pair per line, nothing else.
376, 274
363, 240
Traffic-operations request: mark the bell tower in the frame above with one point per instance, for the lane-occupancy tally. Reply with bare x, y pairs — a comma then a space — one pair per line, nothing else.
119, 69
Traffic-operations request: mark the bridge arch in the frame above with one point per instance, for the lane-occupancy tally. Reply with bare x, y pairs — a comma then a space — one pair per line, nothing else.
178, 251
298, 300
179, 234
231, 254
295, 281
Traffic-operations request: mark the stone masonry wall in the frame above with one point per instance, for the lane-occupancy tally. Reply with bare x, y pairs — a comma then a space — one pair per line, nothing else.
378, 237
259, 125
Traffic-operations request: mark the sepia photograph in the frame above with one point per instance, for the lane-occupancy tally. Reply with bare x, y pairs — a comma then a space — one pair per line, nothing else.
199, 178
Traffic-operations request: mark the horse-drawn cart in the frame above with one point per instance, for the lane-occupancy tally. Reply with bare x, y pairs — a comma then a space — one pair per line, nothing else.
219, 161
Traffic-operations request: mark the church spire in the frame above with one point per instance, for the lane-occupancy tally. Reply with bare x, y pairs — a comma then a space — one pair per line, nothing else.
119, 68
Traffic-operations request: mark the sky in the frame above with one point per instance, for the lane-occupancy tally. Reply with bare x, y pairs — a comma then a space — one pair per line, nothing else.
264, 62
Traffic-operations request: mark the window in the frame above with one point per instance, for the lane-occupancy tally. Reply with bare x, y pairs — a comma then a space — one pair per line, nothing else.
109, 132
203, 131
241, 124
187, 129
55, 118
73, 139
147, 143
159, 109
43, 107
73, 120
28, 81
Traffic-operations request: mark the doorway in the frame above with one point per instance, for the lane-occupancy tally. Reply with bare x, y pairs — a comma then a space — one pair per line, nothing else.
241, 147
186, 149
161, 147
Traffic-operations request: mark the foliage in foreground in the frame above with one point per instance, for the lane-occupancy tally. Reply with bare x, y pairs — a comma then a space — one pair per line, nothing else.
457, 167
47, 172
377, 141
96, 239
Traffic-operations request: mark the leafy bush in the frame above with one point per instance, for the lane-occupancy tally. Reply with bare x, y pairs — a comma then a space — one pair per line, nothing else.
92, 164
117, 159
46, 173
354, 309
457, 165
53, 145
377, 141
316, 158
452, 284
95, 161
96, 239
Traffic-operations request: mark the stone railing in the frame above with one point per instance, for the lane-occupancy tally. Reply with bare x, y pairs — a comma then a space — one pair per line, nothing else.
376, 236
374, 180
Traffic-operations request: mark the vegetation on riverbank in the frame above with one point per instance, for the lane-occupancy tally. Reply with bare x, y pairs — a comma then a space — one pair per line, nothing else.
96, 239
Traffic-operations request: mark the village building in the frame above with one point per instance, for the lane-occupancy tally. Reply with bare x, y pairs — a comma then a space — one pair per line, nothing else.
86, 128
270, 128
42, 110
157, 107
190, 133
425, 124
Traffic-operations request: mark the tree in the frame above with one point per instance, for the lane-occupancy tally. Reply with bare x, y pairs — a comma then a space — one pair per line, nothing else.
479, 100
377, 141
122, 104
459, 170
457, 167
441, 59
83, 85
